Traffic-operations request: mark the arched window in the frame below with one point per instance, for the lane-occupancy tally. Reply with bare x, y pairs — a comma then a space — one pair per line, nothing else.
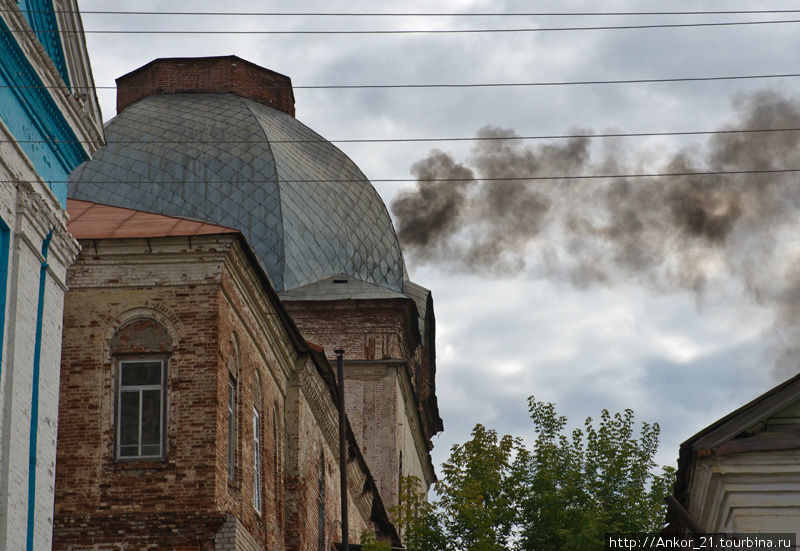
140, 350
257, 417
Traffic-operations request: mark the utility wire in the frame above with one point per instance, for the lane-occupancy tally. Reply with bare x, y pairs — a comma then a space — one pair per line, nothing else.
467, 85
423, 14
446, 180
408, 140
416, 31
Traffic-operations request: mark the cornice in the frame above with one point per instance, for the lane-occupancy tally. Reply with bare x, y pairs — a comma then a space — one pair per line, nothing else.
42, 19
43, 212
80, 71
318, 399
256, 298
34, 81
413, 414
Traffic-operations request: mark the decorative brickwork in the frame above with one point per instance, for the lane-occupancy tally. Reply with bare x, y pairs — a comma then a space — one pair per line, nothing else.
143, 336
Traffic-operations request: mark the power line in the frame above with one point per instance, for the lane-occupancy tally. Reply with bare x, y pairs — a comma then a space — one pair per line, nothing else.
455, 180
452, 139
417, 31
427, 14
470, 85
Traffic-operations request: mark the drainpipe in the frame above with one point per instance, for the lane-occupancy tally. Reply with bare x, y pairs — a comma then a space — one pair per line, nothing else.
342, 449
5, 254
37, 355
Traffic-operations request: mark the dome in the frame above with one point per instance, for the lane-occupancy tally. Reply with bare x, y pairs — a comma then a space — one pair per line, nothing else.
305, 208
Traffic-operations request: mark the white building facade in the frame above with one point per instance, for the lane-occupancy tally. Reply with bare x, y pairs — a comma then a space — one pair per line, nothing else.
741, 474
49, 123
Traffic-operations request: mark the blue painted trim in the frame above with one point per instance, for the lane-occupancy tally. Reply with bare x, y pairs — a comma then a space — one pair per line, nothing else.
31, 114
42, 18
37, 354
5, 254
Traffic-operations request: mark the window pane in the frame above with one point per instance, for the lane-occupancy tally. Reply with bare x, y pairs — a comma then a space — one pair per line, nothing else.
256, 461
154, 450
151, 419
141, 373
256, 425
128, 451
129, 419
231, 429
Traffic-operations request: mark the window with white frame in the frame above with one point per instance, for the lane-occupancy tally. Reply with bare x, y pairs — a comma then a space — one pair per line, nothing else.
231, 429
276, 470
140, 409
257, 400
256, 460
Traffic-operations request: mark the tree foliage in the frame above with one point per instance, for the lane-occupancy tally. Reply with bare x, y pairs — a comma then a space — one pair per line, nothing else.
370, 543
417, 519
597, 480
562, 493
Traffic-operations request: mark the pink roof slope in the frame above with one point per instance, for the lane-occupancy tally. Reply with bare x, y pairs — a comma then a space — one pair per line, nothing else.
90, 220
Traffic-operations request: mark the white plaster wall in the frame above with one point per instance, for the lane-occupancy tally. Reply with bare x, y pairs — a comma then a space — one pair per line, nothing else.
752, 492
30, 210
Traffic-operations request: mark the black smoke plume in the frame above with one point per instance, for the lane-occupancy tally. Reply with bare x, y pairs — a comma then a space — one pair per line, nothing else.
668, 233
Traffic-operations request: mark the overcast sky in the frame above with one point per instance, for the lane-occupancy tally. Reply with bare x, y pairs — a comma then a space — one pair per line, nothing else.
677, 355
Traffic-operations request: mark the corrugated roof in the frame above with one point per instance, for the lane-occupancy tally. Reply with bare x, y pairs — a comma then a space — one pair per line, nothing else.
89, 220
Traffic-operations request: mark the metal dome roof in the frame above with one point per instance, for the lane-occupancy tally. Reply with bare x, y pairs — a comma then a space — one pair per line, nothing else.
304, 206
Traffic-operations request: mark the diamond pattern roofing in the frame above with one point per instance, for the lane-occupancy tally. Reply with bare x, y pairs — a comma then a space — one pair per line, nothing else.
303, 205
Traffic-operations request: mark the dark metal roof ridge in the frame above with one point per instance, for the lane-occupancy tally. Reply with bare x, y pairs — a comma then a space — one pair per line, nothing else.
752, 412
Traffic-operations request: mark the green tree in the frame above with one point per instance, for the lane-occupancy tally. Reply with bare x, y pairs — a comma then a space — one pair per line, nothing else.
600, 479
562, 493
417, 519
370, 543
477, 492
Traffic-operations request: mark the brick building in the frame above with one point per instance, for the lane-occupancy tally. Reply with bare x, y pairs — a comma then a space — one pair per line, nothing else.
193, 414
49, 123
216, 139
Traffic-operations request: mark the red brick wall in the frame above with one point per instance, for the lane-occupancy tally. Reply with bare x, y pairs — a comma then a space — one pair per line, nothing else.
95, 494
290, 494
206, 75
206, 303
236, 321
370, 330
365, 330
